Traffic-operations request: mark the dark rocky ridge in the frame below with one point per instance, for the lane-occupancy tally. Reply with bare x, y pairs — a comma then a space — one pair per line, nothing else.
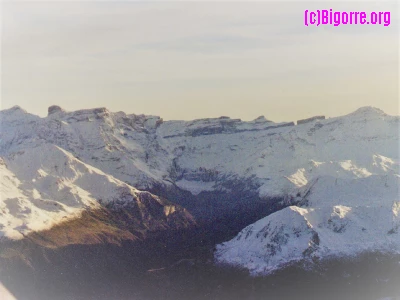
304, 121
54, 109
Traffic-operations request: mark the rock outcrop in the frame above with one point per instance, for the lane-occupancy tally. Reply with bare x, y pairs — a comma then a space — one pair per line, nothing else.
304, 121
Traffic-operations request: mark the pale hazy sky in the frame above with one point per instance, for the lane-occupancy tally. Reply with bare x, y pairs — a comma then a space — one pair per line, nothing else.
186, 60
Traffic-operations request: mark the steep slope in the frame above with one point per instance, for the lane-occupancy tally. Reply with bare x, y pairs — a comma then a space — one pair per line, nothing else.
46, 186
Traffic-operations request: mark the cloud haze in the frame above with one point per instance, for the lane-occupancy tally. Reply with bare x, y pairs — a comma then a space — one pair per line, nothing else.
186, 60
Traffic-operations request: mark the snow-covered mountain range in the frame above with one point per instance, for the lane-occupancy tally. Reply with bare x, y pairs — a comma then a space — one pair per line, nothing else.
338, 178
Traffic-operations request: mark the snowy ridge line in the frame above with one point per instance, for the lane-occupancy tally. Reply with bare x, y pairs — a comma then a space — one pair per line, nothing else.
141, 155
46, 185
133, 149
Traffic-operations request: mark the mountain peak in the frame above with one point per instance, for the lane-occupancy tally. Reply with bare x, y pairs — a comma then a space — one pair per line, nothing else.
368, 110
54, 109
261, 119
15, 109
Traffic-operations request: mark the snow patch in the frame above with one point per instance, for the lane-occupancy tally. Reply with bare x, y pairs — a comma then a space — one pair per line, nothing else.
195, 187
